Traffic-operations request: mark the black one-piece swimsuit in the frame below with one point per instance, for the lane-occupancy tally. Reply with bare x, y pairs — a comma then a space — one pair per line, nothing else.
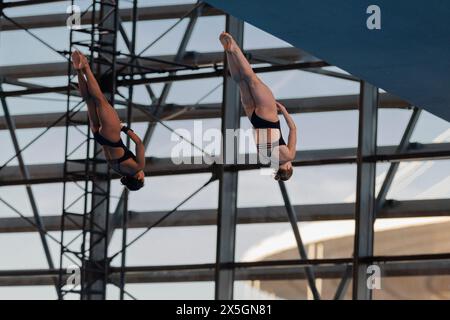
260, 123
115, 163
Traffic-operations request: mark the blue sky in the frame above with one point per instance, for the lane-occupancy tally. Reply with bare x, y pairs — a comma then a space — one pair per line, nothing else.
327, 184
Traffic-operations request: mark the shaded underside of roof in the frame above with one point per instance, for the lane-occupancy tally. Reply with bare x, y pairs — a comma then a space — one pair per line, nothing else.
409, 56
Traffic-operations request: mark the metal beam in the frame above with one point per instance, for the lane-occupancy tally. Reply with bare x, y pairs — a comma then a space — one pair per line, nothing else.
27, 85
391, 269
271, 214
15, 4
365, 189
53, 173
209, 110
126, 81
55, 69
165, 274
228, 180
145, 13
213, 74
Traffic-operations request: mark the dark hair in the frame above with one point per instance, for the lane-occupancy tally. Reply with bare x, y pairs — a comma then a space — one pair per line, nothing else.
284, 174
132, 183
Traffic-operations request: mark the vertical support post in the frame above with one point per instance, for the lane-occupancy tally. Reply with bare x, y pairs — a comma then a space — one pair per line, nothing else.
365, 189
228, 180
124, 197
381, 198
98, 264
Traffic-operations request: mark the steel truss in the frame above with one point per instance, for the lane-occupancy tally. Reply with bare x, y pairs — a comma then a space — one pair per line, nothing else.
88, 249
86, 223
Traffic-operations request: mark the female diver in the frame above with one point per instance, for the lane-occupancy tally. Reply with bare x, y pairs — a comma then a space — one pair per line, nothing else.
106, 127
262, 109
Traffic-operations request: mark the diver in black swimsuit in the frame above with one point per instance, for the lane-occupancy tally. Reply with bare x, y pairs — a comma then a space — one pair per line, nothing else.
106, 127
262, 109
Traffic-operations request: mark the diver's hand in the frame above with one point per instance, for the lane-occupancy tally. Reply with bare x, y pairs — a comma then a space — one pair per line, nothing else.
79, 60
125, 128
76, 60
280, 107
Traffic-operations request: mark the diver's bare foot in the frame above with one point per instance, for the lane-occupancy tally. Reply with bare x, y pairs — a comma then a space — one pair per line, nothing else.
228, 42
79, 61
76, 60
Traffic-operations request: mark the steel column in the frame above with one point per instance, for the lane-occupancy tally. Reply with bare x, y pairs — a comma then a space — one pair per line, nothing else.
124, 197
381, 198
365, 189
98, 258
228, 180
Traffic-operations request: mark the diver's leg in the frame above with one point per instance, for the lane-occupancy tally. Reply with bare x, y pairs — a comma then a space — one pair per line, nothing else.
108, 118
94, 122
254, 92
